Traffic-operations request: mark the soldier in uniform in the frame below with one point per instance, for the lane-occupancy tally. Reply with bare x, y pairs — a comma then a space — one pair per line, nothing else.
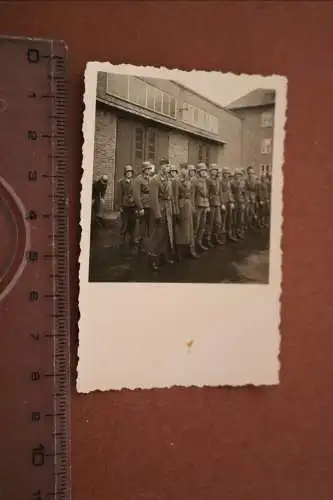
227, 206
173, 172
238, 191
126, 204
98, 195
142, 199
183, 214
251, 185
192, 176
202, 208
263, 201
162, 207
214, 217
152, 170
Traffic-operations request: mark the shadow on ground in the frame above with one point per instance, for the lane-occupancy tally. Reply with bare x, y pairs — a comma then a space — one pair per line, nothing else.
245, 262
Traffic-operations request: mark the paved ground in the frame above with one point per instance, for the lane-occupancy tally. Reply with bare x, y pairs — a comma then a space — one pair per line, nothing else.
245, 262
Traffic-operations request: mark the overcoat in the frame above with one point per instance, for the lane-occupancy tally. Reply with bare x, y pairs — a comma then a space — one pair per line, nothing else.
183, 208
162, 204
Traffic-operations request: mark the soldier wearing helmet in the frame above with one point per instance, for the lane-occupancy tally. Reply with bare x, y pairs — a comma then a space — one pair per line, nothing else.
126, 205
238, 190
263, 196
201, 203
183, 210
152, 170
214, 217
142, 198
251, 187
227, 206
173, 172
162, 204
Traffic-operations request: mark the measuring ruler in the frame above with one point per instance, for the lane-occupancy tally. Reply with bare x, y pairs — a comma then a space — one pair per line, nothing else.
34, 284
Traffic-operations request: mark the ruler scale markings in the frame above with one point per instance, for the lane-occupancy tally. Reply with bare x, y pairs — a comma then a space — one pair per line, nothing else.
44, 104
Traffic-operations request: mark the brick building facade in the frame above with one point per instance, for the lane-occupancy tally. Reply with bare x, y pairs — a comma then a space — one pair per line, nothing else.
256, 109
140, 119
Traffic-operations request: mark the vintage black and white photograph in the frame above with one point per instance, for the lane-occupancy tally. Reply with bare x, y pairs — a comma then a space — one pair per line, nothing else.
182, 185
182, 180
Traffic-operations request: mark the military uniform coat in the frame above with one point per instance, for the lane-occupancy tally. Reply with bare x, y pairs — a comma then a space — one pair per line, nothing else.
125, 194
239, 191
251, 185
263, 190
162, 204
141, 192
201, 196
183, 208
226, 192
125, 202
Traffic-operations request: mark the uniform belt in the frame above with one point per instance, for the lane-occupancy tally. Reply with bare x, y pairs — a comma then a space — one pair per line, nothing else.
185, 197
164, 198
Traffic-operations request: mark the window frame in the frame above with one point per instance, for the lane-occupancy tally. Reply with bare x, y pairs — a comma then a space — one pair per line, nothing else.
267, 123
266, 146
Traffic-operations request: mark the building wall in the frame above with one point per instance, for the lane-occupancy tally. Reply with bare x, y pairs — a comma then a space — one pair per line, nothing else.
178, 148
230, 125
105, 150
252, 136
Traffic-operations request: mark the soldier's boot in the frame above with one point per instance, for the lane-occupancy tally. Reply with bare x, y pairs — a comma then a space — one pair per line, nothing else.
200, 245
154, 264
209, 241
141, 246
217, 236
192, 253
165, 258
232, 237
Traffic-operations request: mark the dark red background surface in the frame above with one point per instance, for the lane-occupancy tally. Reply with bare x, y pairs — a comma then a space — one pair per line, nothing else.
212, 444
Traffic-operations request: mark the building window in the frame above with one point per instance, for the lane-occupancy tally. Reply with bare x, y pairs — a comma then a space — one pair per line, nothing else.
203, 153
266, 146
137, 92
158, 101
199, 118
267, 119
117, 85
151, 145
139, 144
141, 93
172, 107
265, 169
151, 98
166, 104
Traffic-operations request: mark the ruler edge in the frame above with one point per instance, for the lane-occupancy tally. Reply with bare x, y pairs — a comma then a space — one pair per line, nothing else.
53, 44
18, 38
56, 43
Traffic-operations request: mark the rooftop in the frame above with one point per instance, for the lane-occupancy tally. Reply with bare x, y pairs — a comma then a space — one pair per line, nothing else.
258, 97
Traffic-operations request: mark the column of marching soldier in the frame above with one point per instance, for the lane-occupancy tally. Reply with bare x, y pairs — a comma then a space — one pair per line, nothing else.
182, 211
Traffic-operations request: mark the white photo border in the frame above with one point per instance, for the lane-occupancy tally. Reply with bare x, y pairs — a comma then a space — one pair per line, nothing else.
235, 328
